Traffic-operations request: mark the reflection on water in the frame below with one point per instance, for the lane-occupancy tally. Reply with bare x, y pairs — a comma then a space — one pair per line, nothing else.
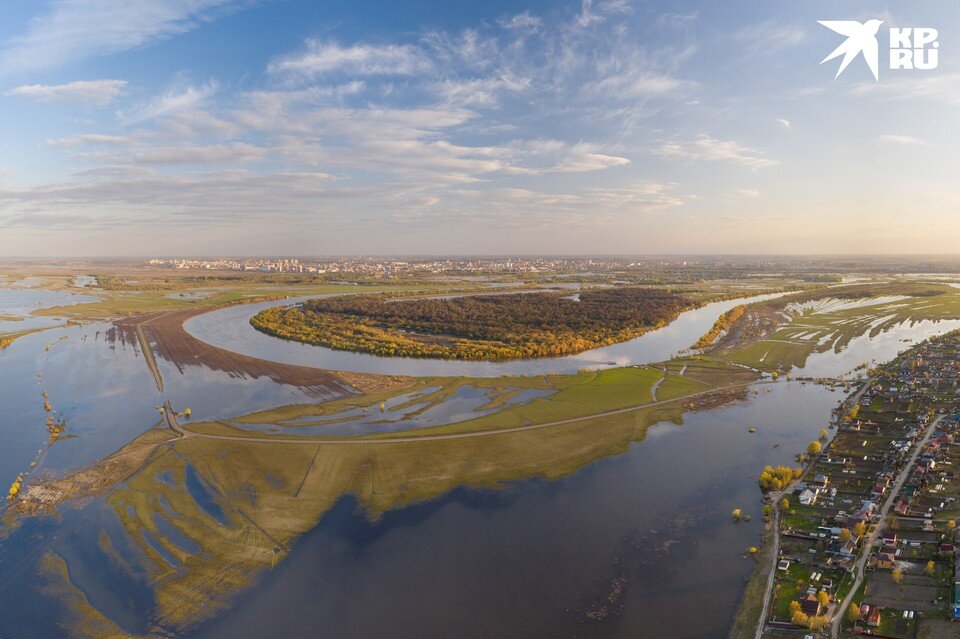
867, 349
403, 412
534, 555
203, 495
19, 303
471, 545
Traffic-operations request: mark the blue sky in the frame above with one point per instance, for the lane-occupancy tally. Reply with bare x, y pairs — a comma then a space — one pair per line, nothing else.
226, 127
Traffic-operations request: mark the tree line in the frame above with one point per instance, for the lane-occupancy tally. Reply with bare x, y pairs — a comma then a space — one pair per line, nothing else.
722, 325
476, 327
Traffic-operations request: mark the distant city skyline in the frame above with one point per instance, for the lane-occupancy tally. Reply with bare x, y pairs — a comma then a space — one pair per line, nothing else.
575, 128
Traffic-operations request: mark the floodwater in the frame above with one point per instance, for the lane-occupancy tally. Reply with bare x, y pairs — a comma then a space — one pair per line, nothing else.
874, 350
467, 402
530, 558
20, 302
229, 328
98, 382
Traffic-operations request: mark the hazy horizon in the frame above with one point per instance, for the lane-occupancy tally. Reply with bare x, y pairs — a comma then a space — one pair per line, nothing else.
294, 255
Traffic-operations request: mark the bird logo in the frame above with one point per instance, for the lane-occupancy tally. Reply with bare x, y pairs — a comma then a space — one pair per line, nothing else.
861, 38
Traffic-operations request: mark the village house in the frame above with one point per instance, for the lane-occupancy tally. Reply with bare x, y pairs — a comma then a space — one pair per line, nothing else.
811, 605
808, 496
885, 560
871, 614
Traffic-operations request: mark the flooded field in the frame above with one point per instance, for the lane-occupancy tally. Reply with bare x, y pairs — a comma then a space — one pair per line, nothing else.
403, 412
634, 534
95, 378
657, 526
16, 306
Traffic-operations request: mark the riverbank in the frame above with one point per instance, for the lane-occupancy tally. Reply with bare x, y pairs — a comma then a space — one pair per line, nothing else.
163, 333
750, 606
477, 327
545, 482
831, 523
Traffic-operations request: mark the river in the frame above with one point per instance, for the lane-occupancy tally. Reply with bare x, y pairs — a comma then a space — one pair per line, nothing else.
527, 559
229, 328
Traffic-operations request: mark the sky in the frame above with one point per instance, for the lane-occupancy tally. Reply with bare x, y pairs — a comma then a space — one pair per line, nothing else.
267, 127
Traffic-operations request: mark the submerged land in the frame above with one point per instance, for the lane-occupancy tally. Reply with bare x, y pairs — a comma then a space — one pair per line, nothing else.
206, 507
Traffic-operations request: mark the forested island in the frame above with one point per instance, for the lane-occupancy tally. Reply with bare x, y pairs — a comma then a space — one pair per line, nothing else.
487, 327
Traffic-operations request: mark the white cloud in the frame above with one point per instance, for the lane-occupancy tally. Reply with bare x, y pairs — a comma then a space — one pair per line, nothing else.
87, 139
183, 199
392, 126
323, 58
524, 22
170, 102
747, 192
591, 13
905, 140
96, 92
196, 154
707, 149
769, 37
478, 92
72, 30
943, 87
556, 156
526, 208
677, 20
637, 83
785, 123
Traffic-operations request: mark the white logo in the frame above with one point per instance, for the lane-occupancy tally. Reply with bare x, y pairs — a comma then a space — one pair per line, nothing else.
909, 50
861, 38
910, 47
